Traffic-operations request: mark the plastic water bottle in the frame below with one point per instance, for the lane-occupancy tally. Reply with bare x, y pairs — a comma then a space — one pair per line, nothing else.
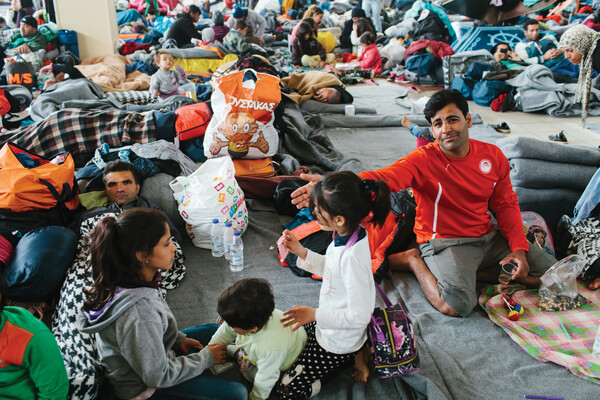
236, 261
227, 239
216, 239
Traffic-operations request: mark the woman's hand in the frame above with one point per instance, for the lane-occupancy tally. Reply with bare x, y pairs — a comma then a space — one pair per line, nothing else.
299, 315
219, 352
46, 70
292, 244
188, 345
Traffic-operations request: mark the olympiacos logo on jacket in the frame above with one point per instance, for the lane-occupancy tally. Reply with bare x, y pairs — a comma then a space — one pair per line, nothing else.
485, 166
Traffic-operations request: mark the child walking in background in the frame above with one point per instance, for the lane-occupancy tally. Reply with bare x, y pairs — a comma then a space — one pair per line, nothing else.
135, 330
263, 346
370, 59
337, 329
306, 49
165, 82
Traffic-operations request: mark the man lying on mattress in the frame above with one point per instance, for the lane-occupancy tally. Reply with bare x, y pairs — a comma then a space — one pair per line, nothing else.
456, 181
122, 185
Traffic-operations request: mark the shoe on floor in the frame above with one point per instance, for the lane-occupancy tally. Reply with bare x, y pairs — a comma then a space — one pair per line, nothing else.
502, 127
559, 137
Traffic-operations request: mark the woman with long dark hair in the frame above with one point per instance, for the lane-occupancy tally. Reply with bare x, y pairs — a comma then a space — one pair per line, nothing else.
143, 354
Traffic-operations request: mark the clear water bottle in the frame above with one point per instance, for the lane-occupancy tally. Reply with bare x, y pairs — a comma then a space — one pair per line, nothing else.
216, 239
236, 260
227, 239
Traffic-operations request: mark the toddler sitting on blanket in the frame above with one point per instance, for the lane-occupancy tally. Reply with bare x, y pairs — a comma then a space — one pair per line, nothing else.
263, 346
165, 82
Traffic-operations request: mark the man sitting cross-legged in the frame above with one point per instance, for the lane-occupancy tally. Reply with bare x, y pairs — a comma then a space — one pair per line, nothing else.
456, 182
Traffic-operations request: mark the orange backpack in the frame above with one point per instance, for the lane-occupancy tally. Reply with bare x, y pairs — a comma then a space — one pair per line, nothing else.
31, 182
192, 120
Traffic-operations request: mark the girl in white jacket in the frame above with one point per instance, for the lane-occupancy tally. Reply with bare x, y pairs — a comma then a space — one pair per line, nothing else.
337, 329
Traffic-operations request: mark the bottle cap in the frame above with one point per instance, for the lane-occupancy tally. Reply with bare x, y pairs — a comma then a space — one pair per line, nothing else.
215, 221
228, 224
236, 233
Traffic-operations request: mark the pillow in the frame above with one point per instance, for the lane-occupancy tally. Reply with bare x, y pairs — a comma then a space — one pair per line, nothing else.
41, 260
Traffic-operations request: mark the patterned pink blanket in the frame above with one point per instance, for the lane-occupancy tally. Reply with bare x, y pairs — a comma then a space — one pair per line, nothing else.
541, 335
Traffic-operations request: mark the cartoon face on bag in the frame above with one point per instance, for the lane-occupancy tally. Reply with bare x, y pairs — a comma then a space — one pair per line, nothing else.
239, 128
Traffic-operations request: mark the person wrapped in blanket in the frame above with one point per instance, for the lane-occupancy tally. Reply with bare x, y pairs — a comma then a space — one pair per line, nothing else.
263, 346
122, 183
57, 72
31, 366
166, 81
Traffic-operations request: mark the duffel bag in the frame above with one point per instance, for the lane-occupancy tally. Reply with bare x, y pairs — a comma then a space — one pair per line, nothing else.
32, 184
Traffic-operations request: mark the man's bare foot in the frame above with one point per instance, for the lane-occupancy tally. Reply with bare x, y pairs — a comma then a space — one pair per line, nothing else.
360, 371
595, 284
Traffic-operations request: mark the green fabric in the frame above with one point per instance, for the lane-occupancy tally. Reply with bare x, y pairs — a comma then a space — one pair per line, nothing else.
509, 64
49, 30
36, 42
529, 3
42, 374
93, 199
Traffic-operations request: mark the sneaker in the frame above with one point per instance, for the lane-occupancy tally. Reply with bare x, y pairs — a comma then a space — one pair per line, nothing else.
392, 77
401, 79
502, 127
560, 137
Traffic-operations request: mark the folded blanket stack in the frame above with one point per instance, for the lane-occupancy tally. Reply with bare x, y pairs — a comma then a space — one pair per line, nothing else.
548, 172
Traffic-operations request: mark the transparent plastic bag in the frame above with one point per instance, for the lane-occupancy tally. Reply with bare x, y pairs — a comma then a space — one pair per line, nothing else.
558, 289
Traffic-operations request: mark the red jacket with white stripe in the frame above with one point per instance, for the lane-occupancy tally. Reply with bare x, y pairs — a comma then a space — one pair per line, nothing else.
453, 195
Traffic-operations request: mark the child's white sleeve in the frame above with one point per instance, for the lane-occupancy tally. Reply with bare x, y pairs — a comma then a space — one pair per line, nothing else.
223, 335
267, 375
314, 262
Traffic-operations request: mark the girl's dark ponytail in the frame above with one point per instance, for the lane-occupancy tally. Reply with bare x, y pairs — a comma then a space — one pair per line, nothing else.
379, 195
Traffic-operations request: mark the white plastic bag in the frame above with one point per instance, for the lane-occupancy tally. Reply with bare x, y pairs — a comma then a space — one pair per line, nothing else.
210, 192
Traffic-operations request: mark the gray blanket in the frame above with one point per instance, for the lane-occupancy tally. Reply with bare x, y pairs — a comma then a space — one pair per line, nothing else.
539, 196
539, 92
524, 147
198, 52
303, 142
52, 99
542, 174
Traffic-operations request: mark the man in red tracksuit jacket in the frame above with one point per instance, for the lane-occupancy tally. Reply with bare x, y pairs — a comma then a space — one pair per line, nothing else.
456, 180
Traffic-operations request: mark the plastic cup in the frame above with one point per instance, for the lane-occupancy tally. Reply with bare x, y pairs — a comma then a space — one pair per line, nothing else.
509, 268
